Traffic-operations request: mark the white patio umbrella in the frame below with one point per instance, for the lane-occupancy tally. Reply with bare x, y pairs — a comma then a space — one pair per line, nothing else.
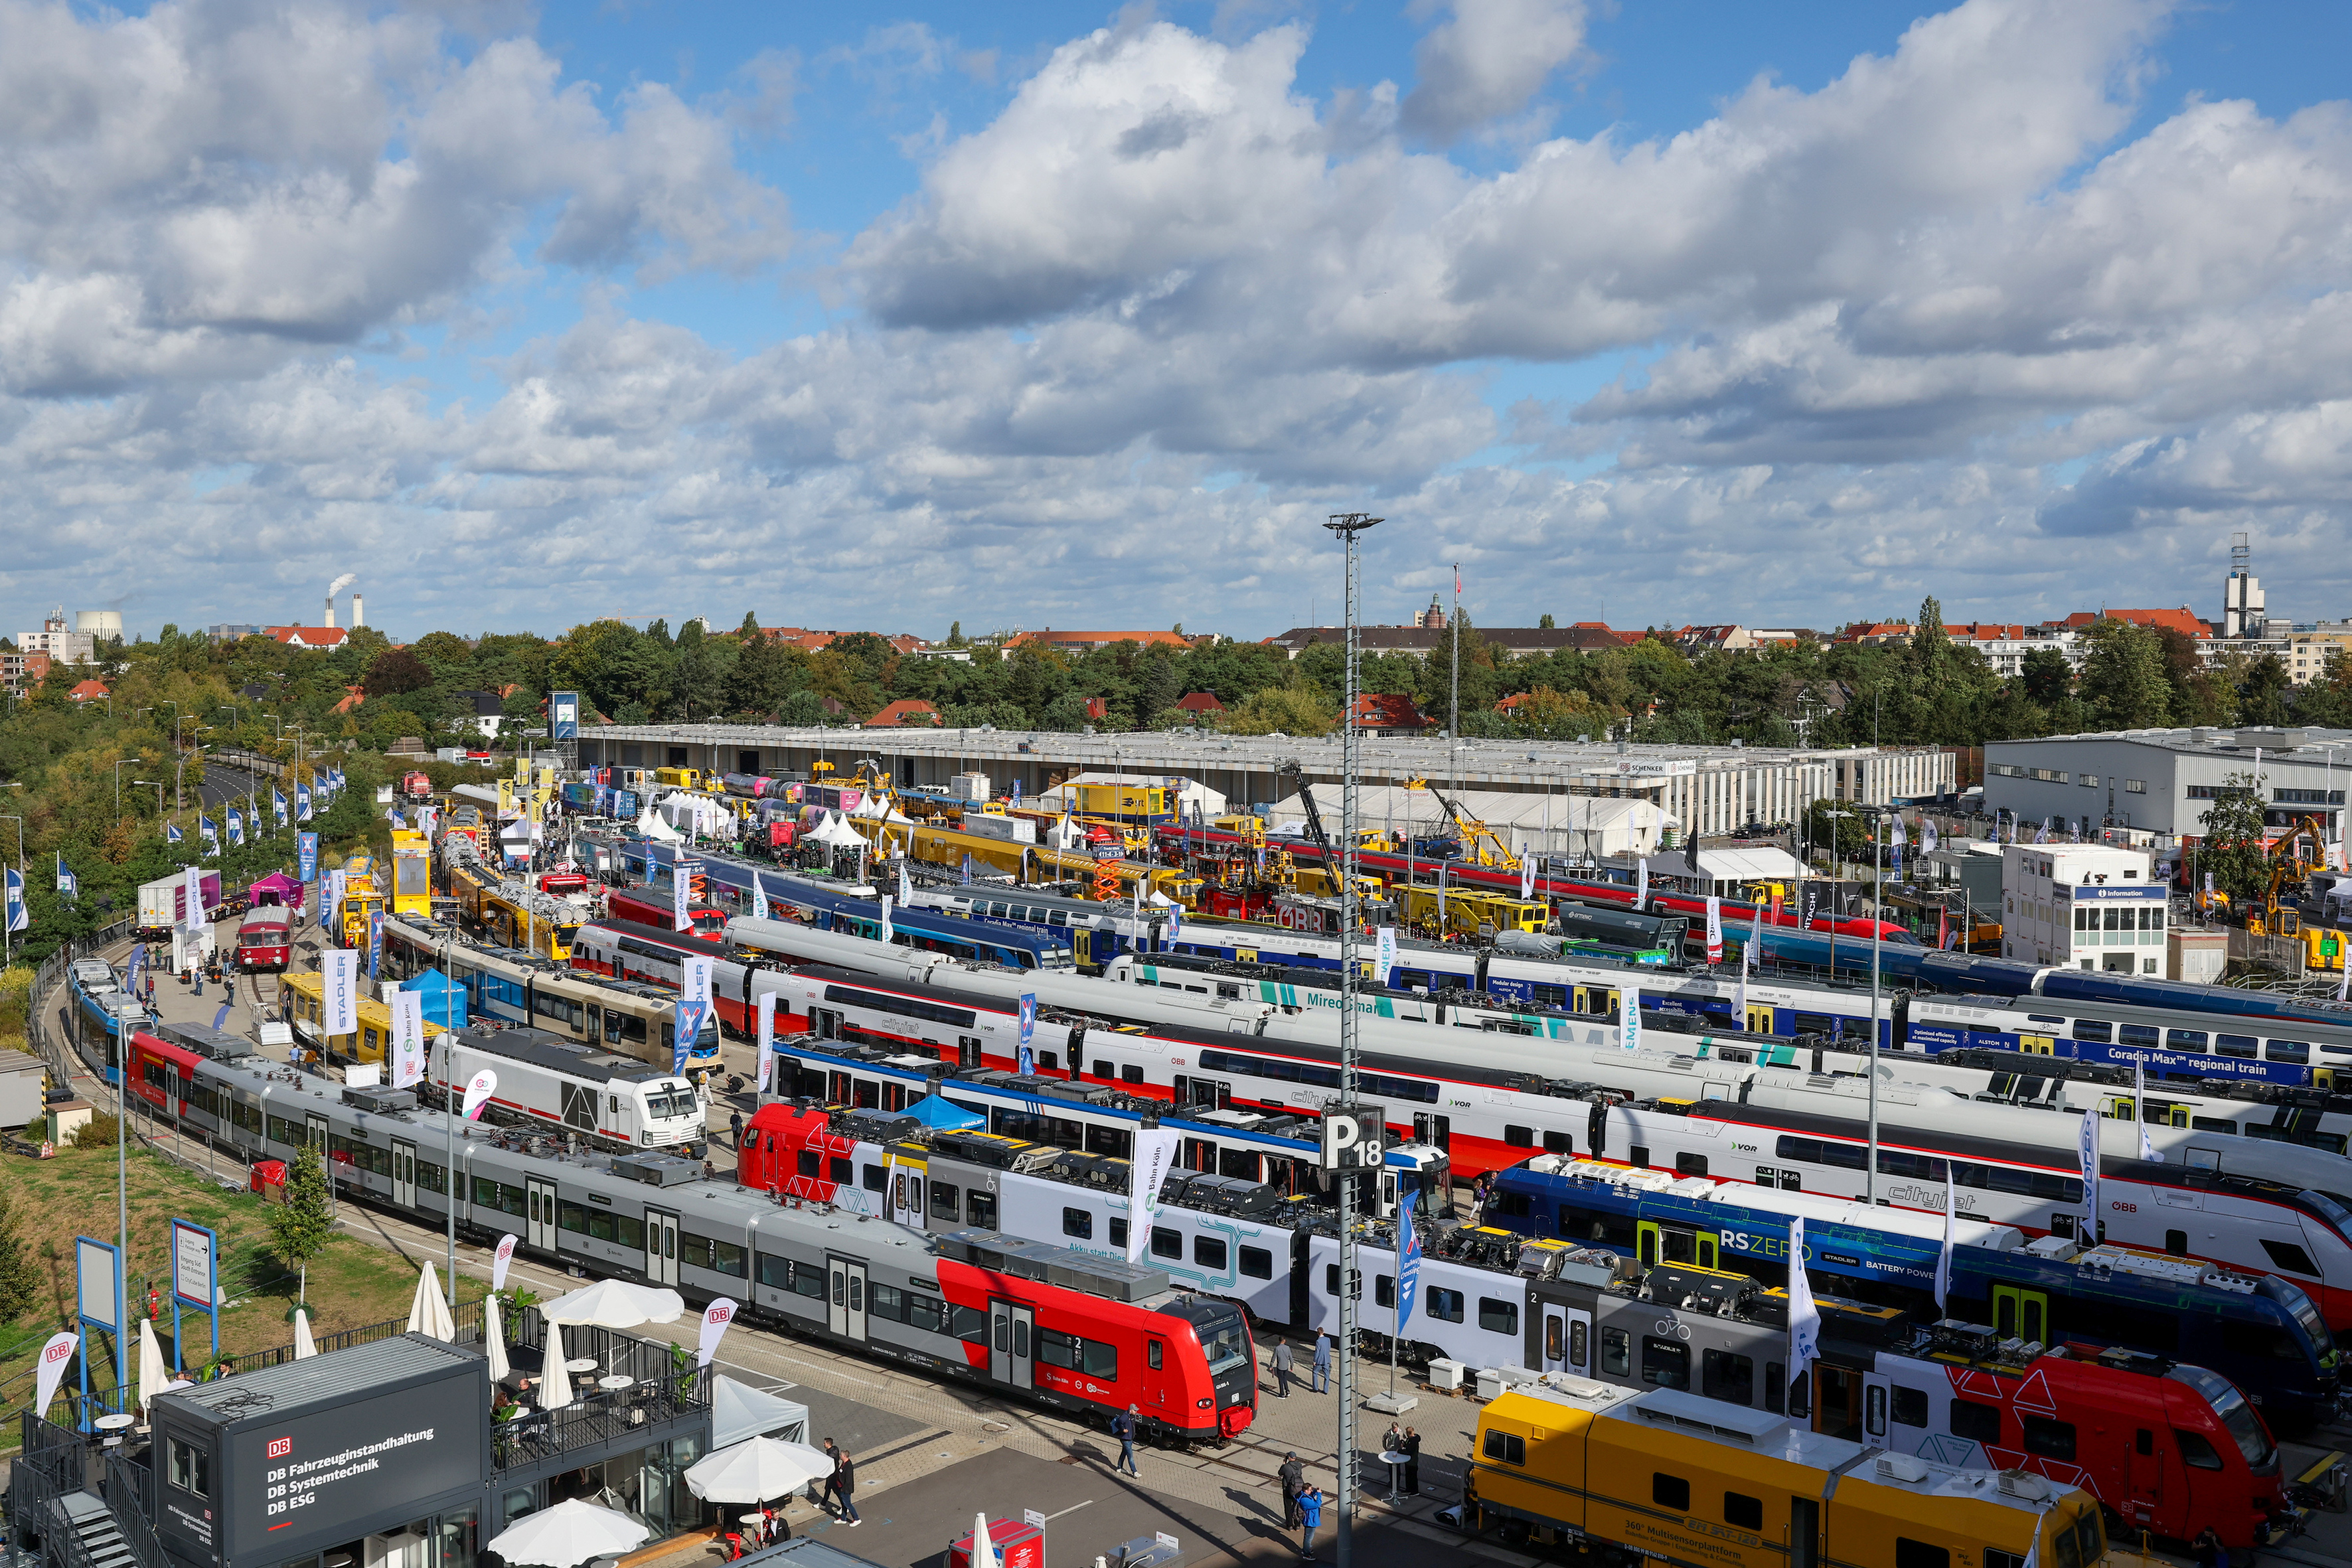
428, 1313
757, 1471
983, 1550
568, 1534
152, 1376
305, 1347
615, 1304
555, 1381
494, 1340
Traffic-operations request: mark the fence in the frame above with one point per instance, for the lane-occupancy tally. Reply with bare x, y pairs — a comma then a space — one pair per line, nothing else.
2282, 953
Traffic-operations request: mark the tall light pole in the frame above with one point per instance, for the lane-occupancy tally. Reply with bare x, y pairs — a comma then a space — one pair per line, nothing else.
1349, 526
118, 765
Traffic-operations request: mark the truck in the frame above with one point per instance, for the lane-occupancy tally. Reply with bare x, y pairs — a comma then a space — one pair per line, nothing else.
164, 904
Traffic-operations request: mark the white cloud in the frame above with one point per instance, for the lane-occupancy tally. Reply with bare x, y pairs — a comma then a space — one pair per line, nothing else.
1487, 60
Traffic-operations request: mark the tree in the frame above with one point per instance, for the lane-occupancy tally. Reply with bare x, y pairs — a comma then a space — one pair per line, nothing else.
2049, 679
1545, 623
955, 634
20, 1281
396, 670
2262, 691
299, 1227
803, 710
2123, 679
2233, 851
1297, 709
762, 677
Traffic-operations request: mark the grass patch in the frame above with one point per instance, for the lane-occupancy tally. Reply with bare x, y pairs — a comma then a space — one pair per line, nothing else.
352, 1283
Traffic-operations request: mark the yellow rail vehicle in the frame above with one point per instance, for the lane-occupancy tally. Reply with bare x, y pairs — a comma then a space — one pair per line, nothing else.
1469, 912
412, 874
1669, 1476
303, 999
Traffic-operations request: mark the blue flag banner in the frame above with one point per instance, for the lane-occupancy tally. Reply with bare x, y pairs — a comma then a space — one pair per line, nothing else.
1027, 1059
301, 803
68, 883
211, 830
278, 804
375, 943
171, 833
1408, 1265
309, 852
17, 917
235, 825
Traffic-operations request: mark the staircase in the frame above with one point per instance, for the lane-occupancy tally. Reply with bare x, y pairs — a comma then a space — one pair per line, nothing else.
93, 1529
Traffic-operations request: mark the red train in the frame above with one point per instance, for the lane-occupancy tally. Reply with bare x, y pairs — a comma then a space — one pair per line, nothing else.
709, 921
1554, 891
264, 941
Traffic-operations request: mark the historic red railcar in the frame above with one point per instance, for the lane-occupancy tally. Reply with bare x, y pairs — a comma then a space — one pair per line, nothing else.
265, 940
639, 907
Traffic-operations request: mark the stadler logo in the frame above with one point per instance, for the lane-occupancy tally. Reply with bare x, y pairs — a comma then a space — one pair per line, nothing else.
279, 1447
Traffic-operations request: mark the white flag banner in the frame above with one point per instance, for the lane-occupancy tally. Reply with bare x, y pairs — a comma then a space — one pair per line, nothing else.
1714, 928
1384, 955
1155, 1155
1527, 876
339, 973
767, 1060
2090, 1155
56, 1356
906, 890
1629, 1021
407, 1038
195, 920
681, 887
1944, 1258
1804, 1318
695, 980
2139, 1110
715, 1319
500, 1259
1641, 884
332, 907
477, 1093
888, 931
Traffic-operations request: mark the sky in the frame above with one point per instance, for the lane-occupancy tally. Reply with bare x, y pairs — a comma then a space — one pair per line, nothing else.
1055, 315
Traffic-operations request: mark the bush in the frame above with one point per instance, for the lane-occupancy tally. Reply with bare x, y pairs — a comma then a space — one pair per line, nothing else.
101, 1132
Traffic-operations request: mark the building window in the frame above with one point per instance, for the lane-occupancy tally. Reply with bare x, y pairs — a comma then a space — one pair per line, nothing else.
191, 1468
2051, 775
2308, 796
2135, 787
2088, 781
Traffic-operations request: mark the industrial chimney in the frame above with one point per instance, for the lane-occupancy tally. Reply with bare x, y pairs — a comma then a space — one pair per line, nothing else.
359, 613
330, 612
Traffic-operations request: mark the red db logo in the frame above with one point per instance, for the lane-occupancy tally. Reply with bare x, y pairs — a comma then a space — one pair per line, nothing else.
280, 1447
723, 1315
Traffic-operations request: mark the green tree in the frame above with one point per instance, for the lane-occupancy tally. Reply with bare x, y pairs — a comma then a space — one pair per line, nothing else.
2233, 850
761, 676
20, 1281
397, 670
2123, 681
1295, 710
2262, 691
299, 1227
804, 709
1545, 623
2049, 679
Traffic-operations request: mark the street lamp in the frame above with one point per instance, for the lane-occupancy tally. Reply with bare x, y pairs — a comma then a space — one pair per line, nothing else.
159, 792
118, 766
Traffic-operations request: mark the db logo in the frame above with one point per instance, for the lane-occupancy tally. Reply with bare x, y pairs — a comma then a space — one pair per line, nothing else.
722, 1314
56, 1352
279, 1447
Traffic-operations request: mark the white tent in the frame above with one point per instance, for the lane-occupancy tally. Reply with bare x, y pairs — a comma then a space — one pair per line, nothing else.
1726, 869
834, 829
693, 813
738, 1411
651, 826
1540, 824
567, 1535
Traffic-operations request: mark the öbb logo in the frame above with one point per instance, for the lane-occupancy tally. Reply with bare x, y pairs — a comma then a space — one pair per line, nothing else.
279, 1447
2121, 1207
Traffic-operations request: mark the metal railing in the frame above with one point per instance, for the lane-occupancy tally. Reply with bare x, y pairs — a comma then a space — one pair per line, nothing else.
130, 1499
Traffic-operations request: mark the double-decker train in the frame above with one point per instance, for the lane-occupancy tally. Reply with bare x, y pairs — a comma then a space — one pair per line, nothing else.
1078, 1333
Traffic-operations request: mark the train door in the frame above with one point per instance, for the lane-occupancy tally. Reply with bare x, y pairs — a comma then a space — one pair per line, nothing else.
1804, 1532
1082, 946
1874, 1397
1760, 1018
1837, 1402
1009, 1328
1567, 1339
1435, 1130
2040, 1045
403, 1175
2019, 1313
538, 1214
825, 1023
907, 1193
845, 1299
2146, 1476
318, 1129
968, 1050
661, 1247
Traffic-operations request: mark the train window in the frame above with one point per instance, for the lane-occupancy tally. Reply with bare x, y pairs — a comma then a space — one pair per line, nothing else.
1558, 1143
1918, 1167
1385, 1290
2243, 1046
1507, 1447
809, 1162
2176, 1242
839, 1169
2295, 1051
1776, 1386
1098, 1360
1519, 1137
2213, 1124
1690, 1164
2185, 1040
2144, 1442
1616, 1352
1257, 1263
1169, 1243
1131, 1075
2286, 1254
1910, 1407
1639, 1154
1873, 1419
2048, 1439
1209, 1251
1743, 1513
1726, 1377
2096, 1030
1910, 1554
1443, 1305
1055, 1348
1666, 1363
1004, 1335
2195, 1452
947, 1201
1104, 1069
1118, 1234
979, 1209
1977, 1423
1078, 1223
2138, 1034
1499, 1316
1155, 1352
872, 1178
1670, 1492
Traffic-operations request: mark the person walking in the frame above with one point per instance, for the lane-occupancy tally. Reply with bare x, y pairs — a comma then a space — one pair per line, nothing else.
843, 1483
735, 1125
1322, 1384
1310, 1516
1122, 1427
1282, 1365
831, 1477
1294, 1481
1409, 1446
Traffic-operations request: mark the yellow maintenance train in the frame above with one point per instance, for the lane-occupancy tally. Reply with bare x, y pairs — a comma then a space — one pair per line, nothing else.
1625, 1477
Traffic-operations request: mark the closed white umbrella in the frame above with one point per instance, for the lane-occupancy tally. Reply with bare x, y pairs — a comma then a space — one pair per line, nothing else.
152, 1376
757, 1471
428, 1313
494, 1340
305, 1347
984, 1550
615, 1304
556, 1380
567, 1534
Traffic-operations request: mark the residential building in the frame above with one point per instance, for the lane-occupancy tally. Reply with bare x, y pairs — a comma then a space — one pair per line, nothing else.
2166, 780
487, 709
1696, 640
1390, 713
1520, 642
2082, 906
21, 672
88, 691
905, 711
61, 644
2182, 620
1091, 642
800, 637
1199, 703
325, 639
2309, 648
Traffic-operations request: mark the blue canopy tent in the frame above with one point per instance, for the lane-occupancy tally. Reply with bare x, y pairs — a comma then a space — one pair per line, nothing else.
943, 1115
445, 999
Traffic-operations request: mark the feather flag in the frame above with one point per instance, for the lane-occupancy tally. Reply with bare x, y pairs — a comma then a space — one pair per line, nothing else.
69, 884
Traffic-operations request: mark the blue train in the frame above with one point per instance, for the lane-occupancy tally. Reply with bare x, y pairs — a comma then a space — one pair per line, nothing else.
102, 1010
2260, 1332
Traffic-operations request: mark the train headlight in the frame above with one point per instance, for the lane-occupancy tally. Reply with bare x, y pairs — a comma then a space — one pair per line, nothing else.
1203, 1404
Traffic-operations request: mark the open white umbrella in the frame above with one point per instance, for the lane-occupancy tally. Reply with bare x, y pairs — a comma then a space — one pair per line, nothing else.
568, 1534
757, 1471
494, 1340
305, 1347
614, 1304
152, 1376
428, 1313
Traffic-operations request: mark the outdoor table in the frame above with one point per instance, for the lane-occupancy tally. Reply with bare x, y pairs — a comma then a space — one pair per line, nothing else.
112, 1427
1396, 1463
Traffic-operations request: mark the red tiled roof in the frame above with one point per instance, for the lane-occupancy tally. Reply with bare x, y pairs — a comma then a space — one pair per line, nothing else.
801, 638
1199, 703
357, 695
310, 636
1388, 711
87, 690
896, 715
2183, 620
1048, 637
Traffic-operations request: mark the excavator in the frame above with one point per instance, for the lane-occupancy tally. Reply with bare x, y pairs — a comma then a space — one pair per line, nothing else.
1323, 881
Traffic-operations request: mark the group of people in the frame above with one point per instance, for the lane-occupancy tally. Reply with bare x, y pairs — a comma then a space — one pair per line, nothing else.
1302, 1504
1284, 1363
839, 1500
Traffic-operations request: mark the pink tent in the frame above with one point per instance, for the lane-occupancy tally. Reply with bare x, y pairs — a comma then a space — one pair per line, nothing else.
278, 889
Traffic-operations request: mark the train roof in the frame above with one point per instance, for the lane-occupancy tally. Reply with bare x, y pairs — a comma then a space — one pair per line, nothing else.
540, 1049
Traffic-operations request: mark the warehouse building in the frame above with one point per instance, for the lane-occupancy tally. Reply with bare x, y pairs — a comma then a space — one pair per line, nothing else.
2165, 781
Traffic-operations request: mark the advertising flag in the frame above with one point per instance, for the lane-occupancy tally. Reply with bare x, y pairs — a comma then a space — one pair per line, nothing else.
340, 971
1944, 1256
407, 1038
693, 1006
499, 1259
715, 1319
484, 1084
307, 857
1155, 1155
766, 1063
18, 917
2139, 1115
1384, 955
681, 894
1747, 966
68, 883
1527, 876
301, 802
375, 943
278, 804
1641, 884
211, 832
889, 933
1629, 1021
2090, 1160
236, 828
1408, 1265
56, 1356
1943, 928
1804, 1318
195, 910
1927, 835
563, 715
331, 906
1714, 928
1027, 1058
171, 833
906, 890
